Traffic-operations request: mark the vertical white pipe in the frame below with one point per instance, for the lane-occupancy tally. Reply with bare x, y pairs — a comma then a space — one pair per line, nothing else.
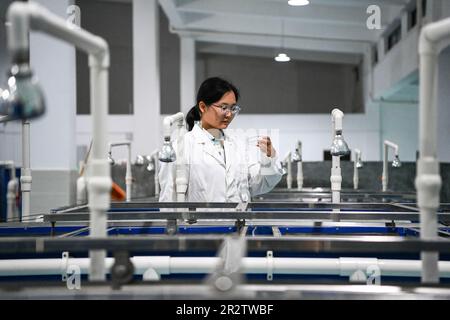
355, 176
433, 38
336, 179
181, 179
128, 175
336, 176
25, 175
427, 165
385, 175
99, 178
288, 160
300, 175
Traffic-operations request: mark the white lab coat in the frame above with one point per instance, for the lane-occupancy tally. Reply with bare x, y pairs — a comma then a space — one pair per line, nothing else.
210, 179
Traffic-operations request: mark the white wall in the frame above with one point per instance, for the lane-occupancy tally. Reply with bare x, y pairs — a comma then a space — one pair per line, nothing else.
444, 108
399, 124
53, 135
361, 131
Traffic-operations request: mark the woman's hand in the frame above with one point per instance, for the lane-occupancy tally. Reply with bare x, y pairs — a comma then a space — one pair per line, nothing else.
265, 145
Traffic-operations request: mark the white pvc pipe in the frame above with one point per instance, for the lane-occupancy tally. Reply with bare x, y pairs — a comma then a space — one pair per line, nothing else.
434, 37
11, 191
385, 177
25, 172
356, 159
166, 265
25, 16
336, 176
300, 175
181, 179
155, 160
128, 173
299, 167
288, 161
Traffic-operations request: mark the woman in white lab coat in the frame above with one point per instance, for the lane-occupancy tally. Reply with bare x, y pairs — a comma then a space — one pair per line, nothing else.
219, 166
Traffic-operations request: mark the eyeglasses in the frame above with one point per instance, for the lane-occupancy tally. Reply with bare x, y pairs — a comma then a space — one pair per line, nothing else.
234, 109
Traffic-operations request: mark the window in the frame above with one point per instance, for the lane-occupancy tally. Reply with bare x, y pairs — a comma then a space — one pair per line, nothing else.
269, 87
412, 19
394, 37
113, 22
424, 8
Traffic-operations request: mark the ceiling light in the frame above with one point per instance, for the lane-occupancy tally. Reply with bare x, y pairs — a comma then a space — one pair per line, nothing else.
282, 57
298, 2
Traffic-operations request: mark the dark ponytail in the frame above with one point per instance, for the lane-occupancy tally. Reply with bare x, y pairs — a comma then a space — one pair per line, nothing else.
210, 91
192, 116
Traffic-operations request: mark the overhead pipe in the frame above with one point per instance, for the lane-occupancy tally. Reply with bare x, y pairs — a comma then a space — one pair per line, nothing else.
434, 37
25, 16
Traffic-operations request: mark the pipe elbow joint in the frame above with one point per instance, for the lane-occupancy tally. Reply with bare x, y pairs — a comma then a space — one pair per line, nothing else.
336, 113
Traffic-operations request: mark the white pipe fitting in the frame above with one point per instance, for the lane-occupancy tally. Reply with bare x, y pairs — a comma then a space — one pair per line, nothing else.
169, 121
434, 37
337, 116
25, 16
385, 176
128, 172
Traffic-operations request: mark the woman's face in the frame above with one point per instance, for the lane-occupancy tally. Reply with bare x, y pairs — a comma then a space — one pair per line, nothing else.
213, 116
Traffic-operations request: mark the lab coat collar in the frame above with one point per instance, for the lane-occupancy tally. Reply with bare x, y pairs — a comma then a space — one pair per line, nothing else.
203, 137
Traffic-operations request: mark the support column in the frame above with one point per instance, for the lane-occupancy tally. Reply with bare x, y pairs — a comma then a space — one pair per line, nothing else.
146, 78
187, 74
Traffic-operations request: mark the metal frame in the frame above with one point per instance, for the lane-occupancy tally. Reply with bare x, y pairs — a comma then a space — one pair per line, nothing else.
329, 244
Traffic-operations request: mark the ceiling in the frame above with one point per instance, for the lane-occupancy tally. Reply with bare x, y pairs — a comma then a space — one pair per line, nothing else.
325, 30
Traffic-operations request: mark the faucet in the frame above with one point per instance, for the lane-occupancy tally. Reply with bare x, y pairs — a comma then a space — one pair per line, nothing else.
434, 37
168, 154
357, 164
297, 158
339, 148
128, 174
26, 101
287, 162
13, 186
395, 163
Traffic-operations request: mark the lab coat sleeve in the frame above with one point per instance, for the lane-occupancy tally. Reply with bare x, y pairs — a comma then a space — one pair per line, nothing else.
167, 174
264, 175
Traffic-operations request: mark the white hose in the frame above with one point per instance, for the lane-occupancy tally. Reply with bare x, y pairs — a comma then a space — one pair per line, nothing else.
165, 265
